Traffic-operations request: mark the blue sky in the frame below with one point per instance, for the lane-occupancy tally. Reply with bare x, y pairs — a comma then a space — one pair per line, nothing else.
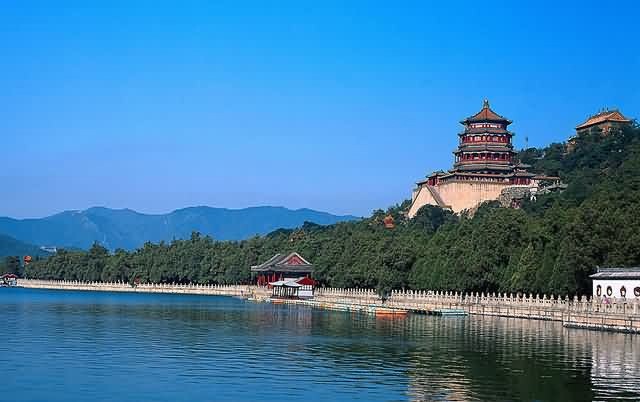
338, 106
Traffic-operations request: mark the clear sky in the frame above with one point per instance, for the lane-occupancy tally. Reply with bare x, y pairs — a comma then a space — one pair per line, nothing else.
337, 106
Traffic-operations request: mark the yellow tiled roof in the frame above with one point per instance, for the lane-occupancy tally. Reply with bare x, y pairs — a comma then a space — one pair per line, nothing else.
609, 115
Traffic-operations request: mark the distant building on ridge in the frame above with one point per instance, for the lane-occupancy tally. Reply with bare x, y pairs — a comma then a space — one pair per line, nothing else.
485, 169
605, 122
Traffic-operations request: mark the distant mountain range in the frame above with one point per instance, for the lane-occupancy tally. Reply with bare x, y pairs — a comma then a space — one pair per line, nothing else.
127, 229
11, 246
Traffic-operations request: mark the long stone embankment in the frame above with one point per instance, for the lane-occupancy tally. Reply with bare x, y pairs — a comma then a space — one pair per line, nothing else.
622, 315
212, 290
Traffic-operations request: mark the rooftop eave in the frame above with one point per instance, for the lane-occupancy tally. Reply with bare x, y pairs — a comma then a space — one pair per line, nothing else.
588, 125
617, 273
503, 132
612, 275
473, 119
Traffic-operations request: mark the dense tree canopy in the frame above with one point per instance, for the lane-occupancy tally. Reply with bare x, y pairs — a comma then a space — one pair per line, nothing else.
10, 265
550, 245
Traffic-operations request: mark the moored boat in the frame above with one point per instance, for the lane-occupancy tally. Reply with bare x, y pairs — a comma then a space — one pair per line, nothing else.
390, 312
8, 280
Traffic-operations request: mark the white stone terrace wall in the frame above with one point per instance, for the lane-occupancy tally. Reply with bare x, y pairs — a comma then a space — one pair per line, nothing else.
427, 300
221, 290
595, 312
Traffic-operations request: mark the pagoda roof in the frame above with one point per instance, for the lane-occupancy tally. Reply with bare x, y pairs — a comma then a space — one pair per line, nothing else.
524, 174
499, 175
486, 114
607, 115
471, 174
544, 177
292, 262
437, 173
483, 166
485, 130
503, 175
485, 147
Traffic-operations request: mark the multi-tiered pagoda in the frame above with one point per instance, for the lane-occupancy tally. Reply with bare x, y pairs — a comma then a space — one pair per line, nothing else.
484, 166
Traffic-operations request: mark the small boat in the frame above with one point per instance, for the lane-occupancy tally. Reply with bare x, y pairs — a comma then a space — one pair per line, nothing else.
390, 312
8, 281
449, 312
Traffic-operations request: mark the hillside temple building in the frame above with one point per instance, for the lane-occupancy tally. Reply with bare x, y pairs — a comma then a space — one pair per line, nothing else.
485, 168
604, 122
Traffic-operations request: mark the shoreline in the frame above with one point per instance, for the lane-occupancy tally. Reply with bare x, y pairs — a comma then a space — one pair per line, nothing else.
618, 316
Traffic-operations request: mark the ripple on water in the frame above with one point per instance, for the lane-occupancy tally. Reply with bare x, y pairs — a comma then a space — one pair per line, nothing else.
77, 346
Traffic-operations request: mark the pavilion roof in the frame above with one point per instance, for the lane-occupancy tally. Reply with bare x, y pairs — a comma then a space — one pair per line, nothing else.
306, 281
486, 115
617, 273
286, 284
292, 262
607, 115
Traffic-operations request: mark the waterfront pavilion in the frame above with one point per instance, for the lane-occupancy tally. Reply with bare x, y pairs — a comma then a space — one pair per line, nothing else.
8, 280
285, 289
282, 267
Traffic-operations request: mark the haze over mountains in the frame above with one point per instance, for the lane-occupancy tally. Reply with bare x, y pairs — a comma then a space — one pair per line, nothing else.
128, 229
11, 246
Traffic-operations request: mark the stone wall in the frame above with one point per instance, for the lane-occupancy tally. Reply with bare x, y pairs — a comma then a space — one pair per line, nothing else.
420, 197
461, 195
220, 290
617, 314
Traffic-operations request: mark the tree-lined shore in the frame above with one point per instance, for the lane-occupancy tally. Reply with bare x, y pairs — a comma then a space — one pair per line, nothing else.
551, 245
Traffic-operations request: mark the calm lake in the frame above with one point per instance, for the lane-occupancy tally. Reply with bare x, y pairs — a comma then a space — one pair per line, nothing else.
82, 346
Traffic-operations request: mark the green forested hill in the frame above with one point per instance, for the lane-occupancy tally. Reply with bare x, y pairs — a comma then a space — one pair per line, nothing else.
12, 247
548, 246
12, 251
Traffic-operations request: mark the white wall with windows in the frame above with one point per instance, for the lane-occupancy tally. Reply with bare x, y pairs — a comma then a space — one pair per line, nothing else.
618, 288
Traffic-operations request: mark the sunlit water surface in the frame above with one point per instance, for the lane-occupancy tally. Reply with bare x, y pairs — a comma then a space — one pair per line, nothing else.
82, 346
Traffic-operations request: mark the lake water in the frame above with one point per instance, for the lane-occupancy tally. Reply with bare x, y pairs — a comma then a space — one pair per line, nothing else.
83, 346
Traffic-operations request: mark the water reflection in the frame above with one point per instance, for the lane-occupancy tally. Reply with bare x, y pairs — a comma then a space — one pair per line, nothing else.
615, 360
104, 346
